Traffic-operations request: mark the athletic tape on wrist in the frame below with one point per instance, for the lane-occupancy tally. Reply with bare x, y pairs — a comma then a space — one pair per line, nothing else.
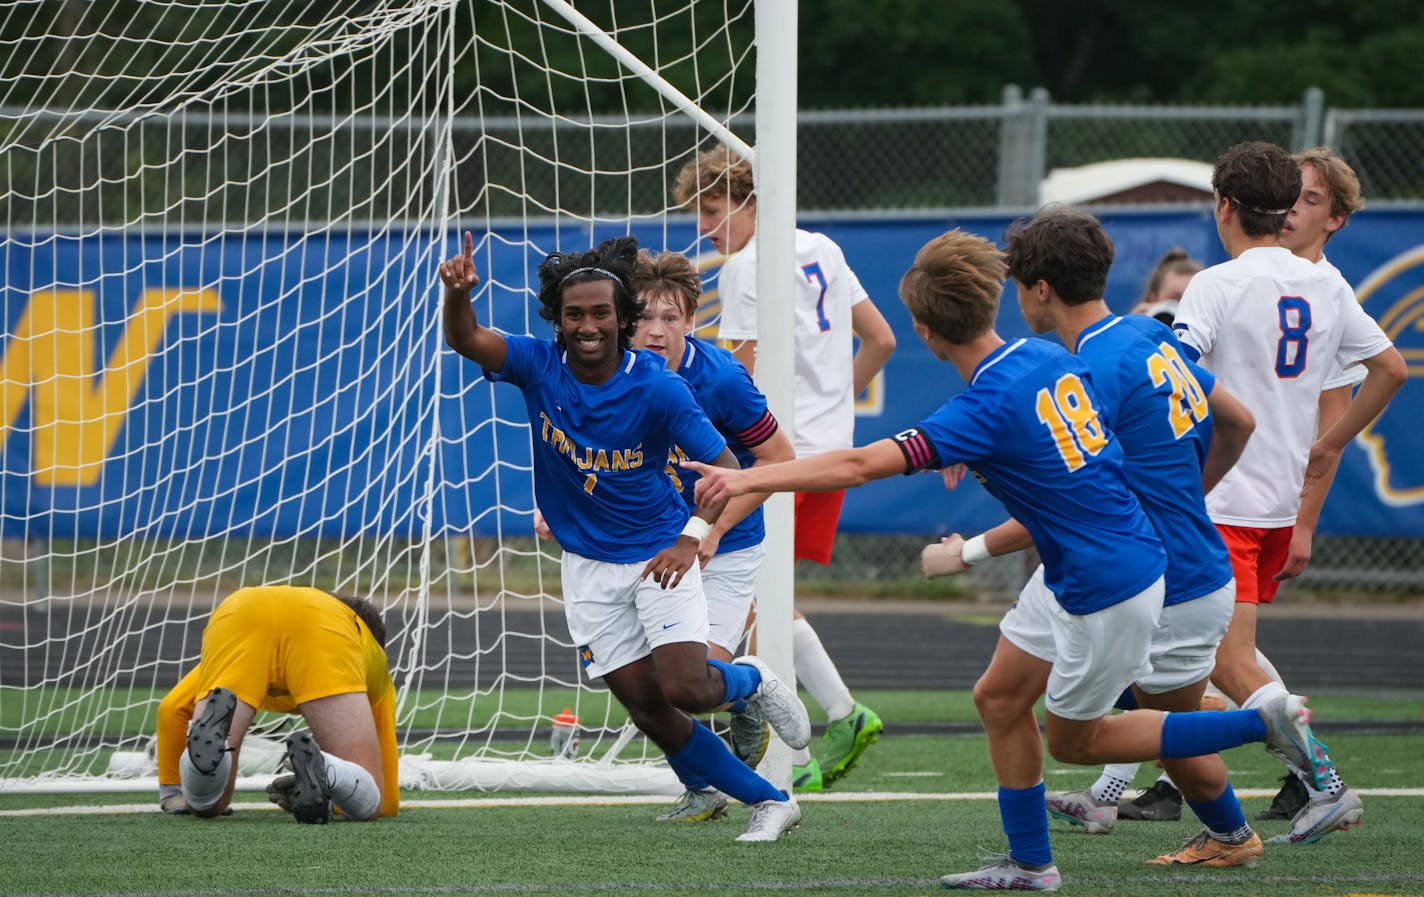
697, 528
974, 550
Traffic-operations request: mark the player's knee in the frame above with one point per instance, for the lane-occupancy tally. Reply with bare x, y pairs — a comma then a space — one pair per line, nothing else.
994, 703
690, 697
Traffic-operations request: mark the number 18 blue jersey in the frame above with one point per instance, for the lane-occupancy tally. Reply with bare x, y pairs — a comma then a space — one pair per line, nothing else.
1028, 427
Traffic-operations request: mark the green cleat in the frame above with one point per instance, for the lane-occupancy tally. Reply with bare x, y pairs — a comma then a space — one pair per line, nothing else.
696, 806
806, 778
846, 739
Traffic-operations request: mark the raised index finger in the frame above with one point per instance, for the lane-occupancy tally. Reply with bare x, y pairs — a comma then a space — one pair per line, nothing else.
469, 245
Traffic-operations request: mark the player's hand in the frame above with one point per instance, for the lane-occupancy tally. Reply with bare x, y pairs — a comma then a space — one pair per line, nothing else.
458, 273
282, 790
953, 475
708, 549
943, 558
174, 804
541, 528
717, 484
1297, 556
672, 563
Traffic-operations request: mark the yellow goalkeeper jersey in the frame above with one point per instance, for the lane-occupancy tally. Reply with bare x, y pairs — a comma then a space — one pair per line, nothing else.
277, 647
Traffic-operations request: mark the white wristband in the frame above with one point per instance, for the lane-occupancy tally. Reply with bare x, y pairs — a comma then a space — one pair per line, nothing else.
697, 528
974, 551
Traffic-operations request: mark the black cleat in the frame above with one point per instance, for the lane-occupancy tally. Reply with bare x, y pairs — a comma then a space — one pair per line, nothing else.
1160, 803
311, 796
207, 738
1288, 801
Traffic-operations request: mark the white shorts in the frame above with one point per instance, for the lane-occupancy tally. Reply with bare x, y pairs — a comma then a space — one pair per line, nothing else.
1094, 656
1184, 645
729, 582
616, 618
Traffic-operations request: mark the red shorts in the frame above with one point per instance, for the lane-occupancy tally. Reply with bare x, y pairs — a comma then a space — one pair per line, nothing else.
817, 515
1257, 555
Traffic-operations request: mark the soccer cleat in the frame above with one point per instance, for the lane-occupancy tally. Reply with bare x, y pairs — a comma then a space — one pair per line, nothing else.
207, 738
1288, 801
771, 819
1204, 850
311, 796
1081, 808
1001, 873
696, 806
808, 777
778, 705
1160, 803
1288, 737
750, 735
1324, 815
846, 739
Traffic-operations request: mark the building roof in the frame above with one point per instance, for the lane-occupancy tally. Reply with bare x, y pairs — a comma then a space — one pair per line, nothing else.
1128, 180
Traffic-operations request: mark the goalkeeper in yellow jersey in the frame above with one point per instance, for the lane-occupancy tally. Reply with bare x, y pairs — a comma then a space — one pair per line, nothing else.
291, 650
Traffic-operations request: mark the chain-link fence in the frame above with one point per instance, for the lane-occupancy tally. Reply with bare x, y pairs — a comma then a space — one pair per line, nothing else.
858, 163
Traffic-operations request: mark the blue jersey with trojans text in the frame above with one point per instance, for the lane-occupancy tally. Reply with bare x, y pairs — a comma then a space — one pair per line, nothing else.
1029, 429
600, 452
738, 410
1155, 402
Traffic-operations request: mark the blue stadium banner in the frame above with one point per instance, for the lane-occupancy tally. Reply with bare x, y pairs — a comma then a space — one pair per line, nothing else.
290, 384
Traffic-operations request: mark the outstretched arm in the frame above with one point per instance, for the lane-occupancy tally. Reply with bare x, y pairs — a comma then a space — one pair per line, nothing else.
772, 451
877, 342
463, 332
840, 469
948, 556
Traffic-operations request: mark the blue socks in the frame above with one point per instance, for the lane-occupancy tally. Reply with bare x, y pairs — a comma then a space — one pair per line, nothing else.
1025, 820
1223, 817
1209, 732
741, 680
689, 779
705, 758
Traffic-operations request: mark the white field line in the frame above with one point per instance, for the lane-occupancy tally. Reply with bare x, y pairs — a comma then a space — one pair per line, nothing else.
613, 800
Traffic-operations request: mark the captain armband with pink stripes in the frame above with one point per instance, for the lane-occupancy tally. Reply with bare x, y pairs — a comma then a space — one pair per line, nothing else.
919, 452
759, 432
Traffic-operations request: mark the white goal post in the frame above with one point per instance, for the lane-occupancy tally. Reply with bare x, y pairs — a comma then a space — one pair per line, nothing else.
222, 353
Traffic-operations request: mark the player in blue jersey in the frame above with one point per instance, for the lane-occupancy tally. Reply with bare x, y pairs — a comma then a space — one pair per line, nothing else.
1029, 428
604, 418
731, 555
1162, 409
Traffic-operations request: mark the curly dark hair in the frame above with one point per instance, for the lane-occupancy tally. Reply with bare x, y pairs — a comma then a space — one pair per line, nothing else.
617, 257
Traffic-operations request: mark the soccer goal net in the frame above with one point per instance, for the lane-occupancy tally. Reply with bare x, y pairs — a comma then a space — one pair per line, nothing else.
223, 361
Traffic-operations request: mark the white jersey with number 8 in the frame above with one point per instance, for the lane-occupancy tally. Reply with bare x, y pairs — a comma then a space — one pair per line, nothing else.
1272, 327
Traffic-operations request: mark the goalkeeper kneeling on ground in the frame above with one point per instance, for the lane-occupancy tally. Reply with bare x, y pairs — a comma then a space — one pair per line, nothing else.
289, 650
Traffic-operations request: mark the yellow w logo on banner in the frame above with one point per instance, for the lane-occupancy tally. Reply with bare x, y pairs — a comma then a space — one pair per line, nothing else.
78, 408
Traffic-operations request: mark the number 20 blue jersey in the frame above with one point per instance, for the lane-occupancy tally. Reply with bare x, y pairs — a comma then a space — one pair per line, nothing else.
1029, 428
1155, 401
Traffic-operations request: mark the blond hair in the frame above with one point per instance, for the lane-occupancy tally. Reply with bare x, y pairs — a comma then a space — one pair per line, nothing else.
953, 287
668, 275
715, 173
1340, 179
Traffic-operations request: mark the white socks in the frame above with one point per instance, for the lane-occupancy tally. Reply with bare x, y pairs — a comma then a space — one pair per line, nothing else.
352, 788
816, 672
202, 790
1114, 781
